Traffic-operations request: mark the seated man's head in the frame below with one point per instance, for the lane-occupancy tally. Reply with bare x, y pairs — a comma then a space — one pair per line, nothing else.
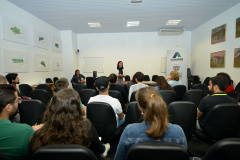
175, 75
139, 76
8, 101
113, 78
13, 78
217, 84
226, 76
3, 80
102, 84
62, 83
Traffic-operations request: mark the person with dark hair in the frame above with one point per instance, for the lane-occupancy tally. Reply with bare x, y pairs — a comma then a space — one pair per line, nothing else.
217, 85
132, 82
77, 78
3, 80
230, 87
174, 78
138, 78
162, 84
14, 136
120, 72
154, 128
64, 124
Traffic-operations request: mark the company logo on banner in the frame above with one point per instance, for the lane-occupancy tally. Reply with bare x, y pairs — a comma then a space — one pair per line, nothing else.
177, 57
176, 68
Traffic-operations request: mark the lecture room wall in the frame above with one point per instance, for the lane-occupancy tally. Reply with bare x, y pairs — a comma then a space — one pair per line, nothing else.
202, 47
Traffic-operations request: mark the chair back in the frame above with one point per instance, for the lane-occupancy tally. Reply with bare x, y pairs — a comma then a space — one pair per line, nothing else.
90, 82
102, 117
86, 94
157, 151
55, 79
4, 157
194, 95
49, 80
25, 90
31, 111
79, 87
64, 152
133, 114
168, 96
185, 115
203, 87
41, 95
235, 95
127, 78
206, 81
154, 78
180, 91
117, 95
146, 78
132, 98
224, 149
46, 88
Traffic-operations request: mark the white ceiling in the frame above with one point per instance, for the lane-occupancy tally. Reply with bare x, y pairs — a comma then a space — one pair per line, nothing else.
114, 14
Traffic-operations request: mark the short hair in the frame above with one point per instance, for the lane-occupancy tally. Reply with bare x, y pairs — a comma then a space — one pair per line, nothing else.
76, 71
112, 78
139, 76
11, 76
3, 79
226, 76
7, 95
61, 83
220, 81
175, 75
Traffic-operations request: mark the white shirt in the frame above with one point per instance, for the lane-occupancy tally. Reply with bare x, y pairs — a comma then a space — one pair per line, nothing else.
117, 71
135, 87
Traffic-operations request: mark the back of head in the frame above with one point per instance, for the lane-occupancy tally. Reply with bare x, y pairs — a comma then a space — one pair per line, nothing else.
7, 95
61, 83
226, 76
3, 80
102, 84
139, 76
220, 81
113, 78
163, 84
175, 75
154, 109
11, 76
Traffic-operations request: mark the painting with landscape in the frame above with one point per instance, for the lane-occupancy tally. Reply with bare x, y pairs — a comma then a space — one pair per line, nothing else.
219, 34
236, 57
217, 59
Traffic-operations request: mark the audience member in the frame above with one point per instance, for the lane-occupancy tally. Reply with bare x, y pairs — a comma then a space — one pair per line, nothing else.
102, 85
132, 82
14, 136
64, 124
173, 78
138, 78
78, 78
62, 83
230, 87
162, 84
217, 85
3, 80
155, 126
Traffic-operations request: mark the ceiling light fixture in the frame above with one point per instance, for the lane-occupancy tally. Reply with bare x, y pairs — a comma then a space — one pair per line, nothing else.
136, 1
133, 23
173, 22
95, 24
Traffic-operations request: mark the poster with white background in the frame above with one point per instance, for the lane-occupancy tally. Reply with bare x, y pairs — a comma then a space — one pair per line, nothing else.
56, 44
41, 62
40, 39
57, 63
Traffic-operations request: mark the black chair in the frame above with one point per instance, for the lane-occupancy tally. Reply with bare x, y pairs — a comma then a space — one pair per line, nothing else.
133, 114
25, 90
86, 94
168, 96
55, 79
222, 122
203, 87
41, 95
235, 95
90, 82
127, 78
46, 88
31, 111
64, 152
157, 151
79, 87
227, 149
206, 81
154, 78
194, 95
49, 80
117, 95
132, 98
180, 91
4, 157
146, 78
185, 115
237, 89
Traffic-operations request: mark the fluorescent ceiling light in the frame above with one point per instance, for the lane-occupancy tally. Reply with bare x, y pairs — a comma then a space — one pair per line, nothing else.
95, 24
133, 23
173, 22
136, 1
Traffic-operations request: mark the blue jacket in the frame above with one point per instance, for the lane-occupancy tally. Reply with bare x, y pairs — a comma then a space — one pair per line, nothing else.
135, 133
76, 79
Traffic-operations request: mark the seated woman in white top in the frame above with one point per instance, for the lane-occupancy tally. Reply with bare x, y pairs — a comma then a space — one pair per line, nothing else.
173, 78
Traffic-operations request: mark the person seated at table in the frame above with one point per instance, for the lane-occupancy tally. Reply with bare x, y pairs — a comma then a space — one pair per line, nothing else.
162, 84
78, 78
154, 128
173, 78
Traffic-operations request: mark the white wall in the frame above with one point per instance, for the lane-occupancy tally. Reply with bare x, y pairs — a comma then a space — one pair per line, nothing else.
7, 9
141, 51
202, 47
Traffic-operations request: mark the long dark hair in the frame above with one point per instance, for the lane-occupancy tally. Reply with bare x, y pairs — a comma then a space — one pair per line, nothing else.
118, 65
163, 84
76, 71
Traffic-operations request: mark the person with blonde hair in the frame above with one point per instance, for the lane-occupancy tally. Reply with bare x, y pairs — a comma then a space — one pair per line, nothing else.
3, 80
154, 128
174, 78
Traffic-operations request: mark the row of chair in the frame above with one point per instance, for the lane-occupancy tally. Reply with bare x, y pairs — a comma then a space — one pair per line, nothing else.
146, 78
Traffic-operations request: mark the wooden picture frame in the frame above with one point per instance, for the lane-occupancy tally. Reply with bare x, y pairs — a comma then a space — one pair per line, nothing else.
236, 61
237, 27
219, 34
217, 59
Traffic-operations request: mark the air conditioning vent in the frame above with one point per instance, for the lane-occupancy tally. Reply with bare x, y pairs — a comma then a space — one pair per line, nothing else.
170, 32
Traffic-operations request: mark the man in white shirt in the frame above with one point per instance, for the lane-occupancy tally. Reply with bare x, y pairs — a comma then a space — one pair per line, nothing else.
139, 78
102, 85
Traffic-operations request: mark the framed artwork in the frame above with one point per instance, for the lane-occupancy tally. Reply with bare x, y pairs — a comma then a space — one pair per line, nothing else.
56, 44
217, 59
236, 62
40, 39
219, 34
41, 63
16, 61
14, 31
238, 27
57, 63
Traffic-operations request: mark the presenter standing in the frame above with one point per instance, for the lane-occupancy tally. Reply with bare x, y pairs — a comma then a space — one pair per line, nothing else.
120, 72
78, 78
